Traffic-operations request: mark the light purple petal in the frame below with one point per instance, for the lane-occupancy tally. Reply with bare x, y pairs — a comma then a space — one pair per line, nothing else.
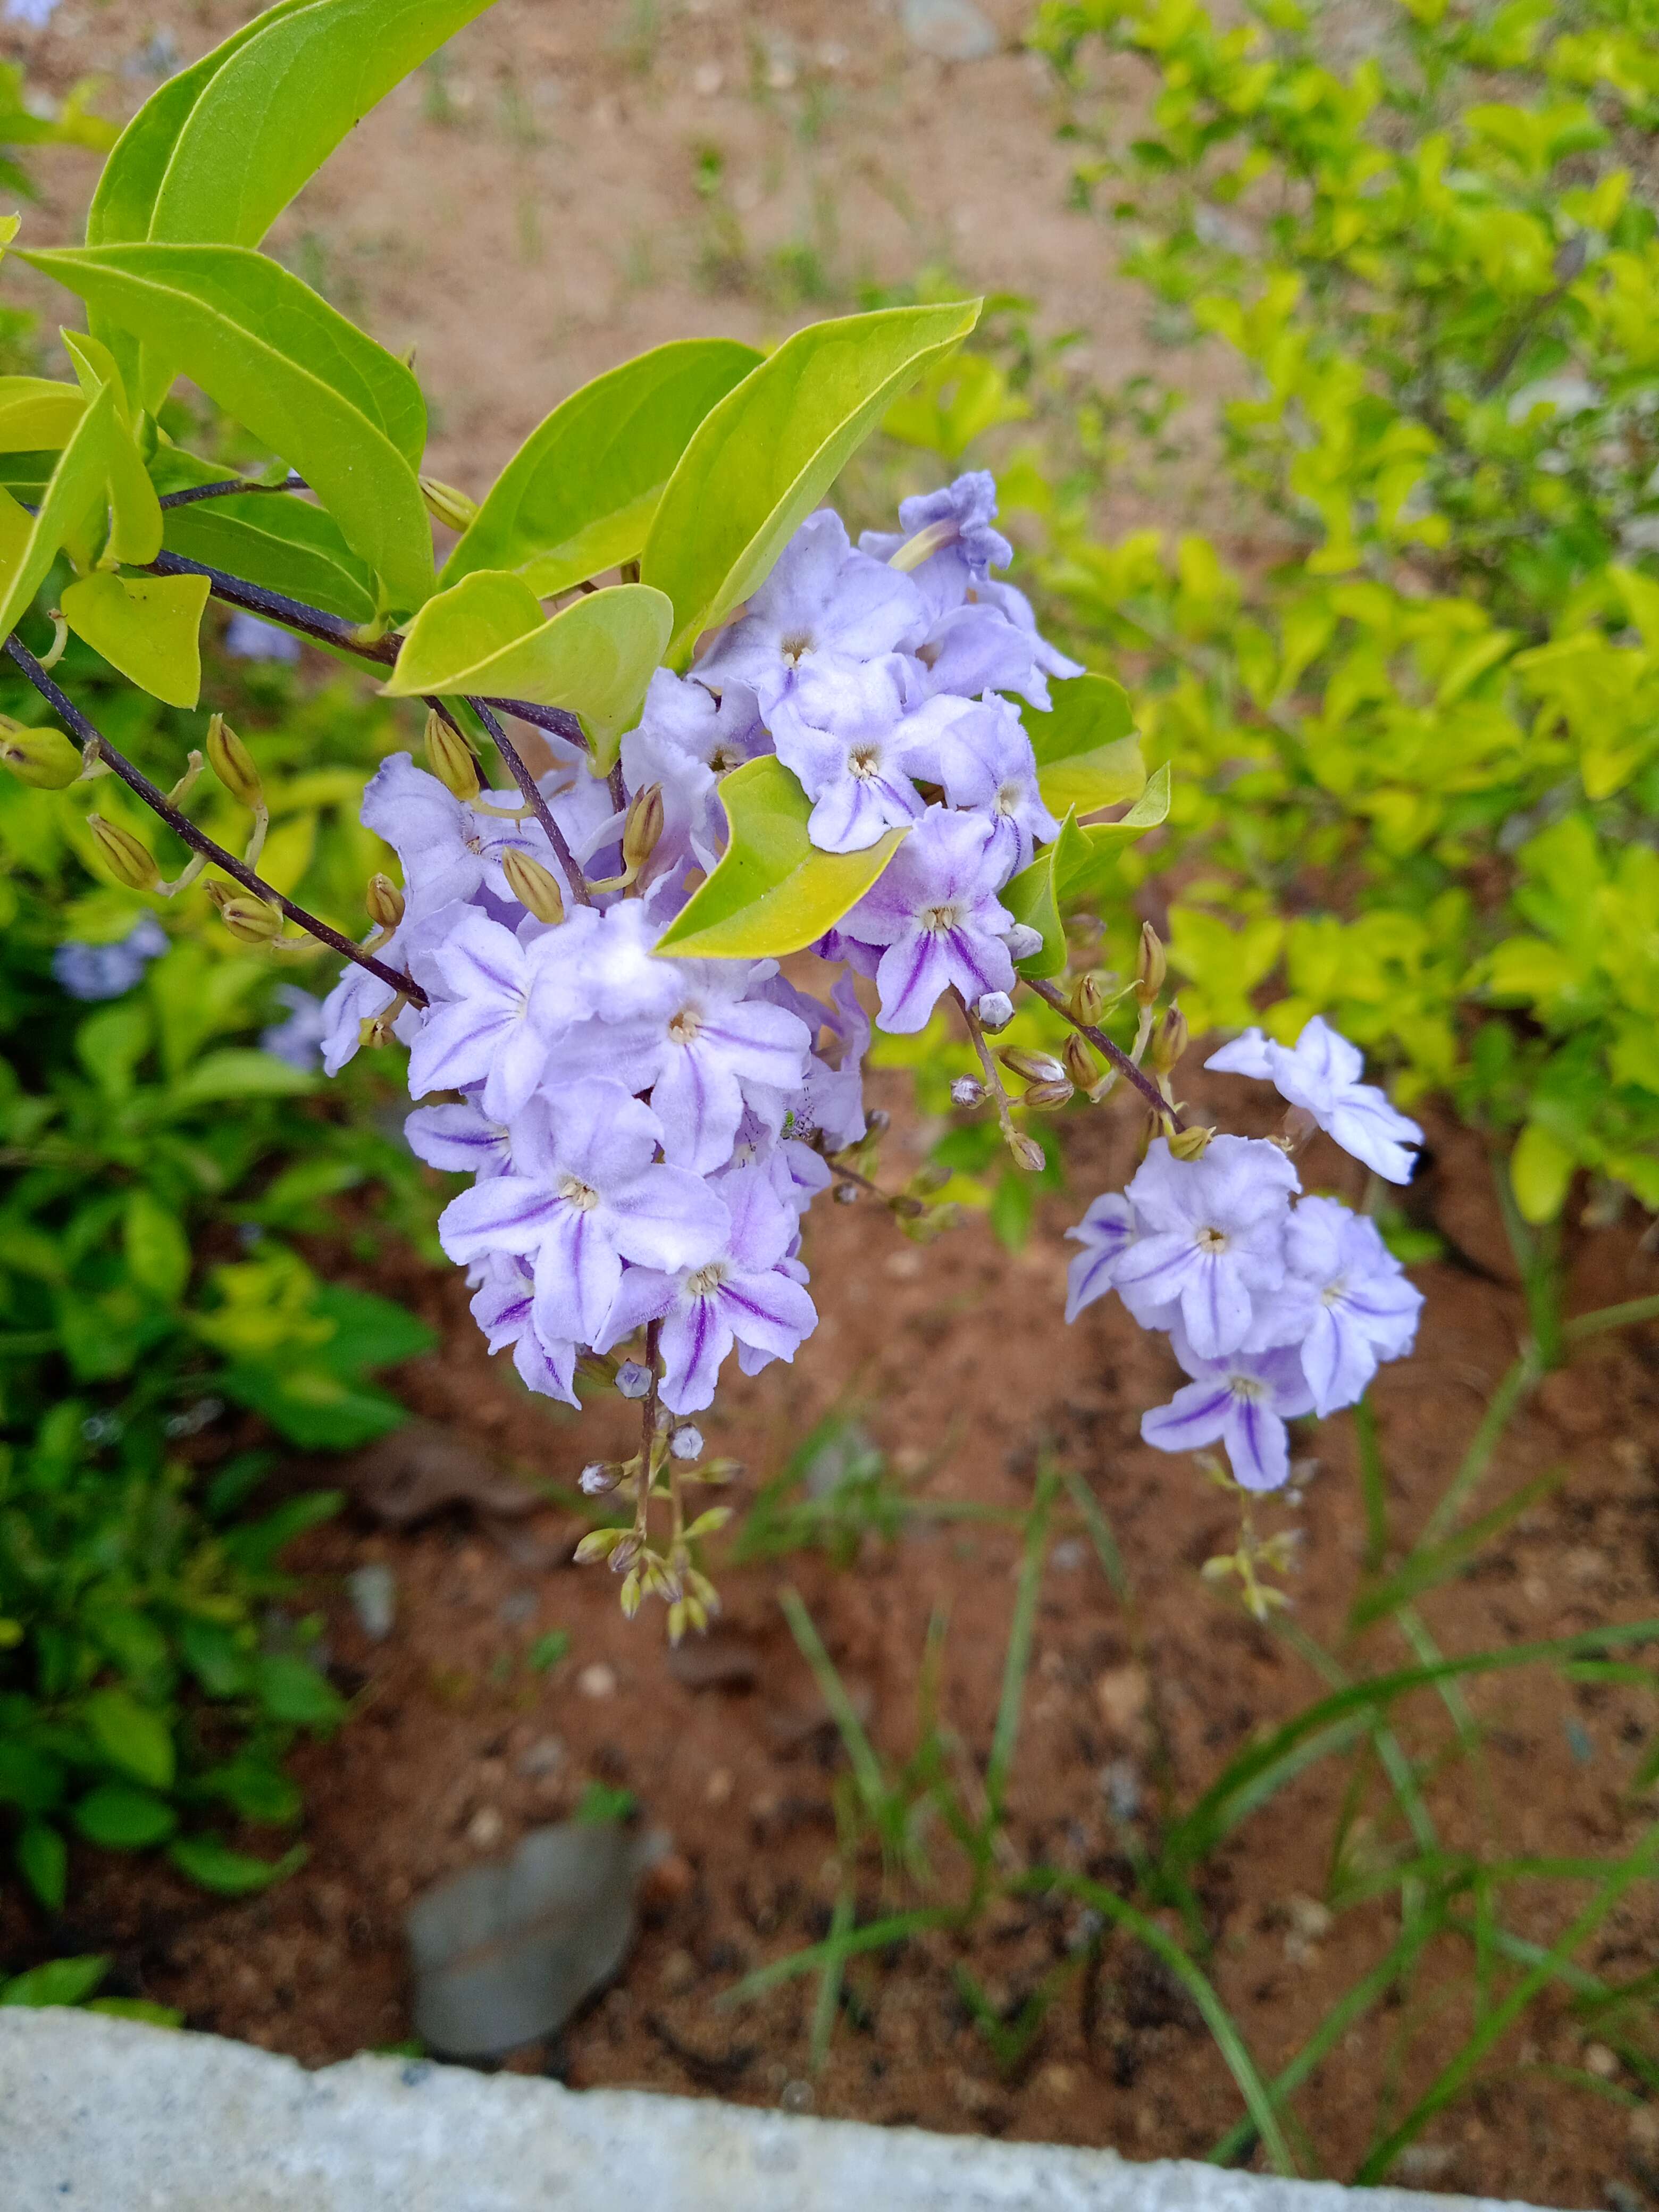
508, 1213
1195, 1416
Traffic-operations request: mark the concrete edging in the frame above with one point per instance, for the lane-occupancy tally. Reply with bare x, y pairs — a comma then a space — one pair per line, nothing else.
114, 2117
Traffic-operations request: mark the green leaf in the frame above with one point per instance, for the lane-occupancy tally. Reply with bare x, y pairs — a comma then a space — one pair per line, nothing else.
255, 1790
311, 1405
153, 2016
548, 1651
43, 1861
1540, 1173
38, 413
156, 1247
123, 1819
773, 891
369, 1330
578, 496
134, 532
29, 544
1080, 865
292, 1691
215, 154
767, 454
273, 538
58, 1982
1087, 754
240, 1072
131, 1737
338, 408
146, 627
255, 1545
488, 634
205, 1860
29, 1778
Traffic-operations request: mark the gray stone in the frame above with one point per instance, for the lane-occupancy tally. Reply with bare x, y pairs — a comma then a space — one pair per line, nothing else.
949, 30
113, 2116
374, 1592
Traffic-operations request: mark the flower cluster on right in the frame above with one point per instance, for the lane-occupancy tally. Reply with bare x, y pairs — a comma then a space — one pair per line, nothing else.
1276, 1304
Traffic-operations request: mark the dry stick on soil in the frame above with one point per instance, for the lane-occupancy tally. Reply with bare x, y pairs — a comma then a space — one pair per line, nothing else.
96, 746
1112, 1052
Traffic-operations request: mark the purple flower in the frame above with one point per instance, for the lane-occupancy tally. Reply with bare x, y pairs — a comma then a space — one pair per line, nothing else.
959, 543
585, 1193
1321, 1073
822, 598
1105, 1232
703, 1050
1242, 1402
979, 751
718, 723
108, 971
448, 849
833, 1101
934, 908
298, 1042
460, 1138
247, 638
503, 1003
843, 733
1212, 1232
503, 1308
1346, 1303
742, 1296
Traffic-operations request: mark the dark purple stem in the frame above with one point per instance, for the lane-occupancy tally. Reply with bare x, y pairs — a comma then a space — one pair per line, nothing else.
538, 806
96, 746
278, 607
1115, 1054
232, 489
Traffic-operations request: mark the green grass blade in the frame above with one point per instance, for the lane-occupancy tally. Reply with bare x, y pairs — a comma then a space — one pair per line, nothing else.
1100, 1535
1219, 2022
1005, 1736
876, 1936
1433, 1564
1373, 1486
828, 1998
1604, 1317
867, 1767
1452, 2077
1501, 1409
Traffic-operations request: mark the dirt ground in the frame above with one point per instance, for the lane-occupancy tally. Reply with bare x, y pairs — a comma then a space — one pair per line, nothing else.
578, 183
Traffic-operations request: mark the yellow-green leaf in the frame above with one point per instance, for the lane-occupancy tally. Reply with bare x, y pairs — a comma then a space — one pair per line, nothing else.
148, 627
578, 496
1088, 756
131, 1737
1540, 1174
773, 891
29, 544
38, 414
1080, 865
488, 635
763, 458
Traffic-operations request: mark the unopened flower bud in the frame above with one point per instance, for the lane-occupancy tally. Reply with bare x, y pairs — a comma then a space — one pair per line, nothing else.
534, 885
1191, 1143
1046, 1096
879, 1122
597, 1477
995, 1011
1079, 1063
446, 505
450, 758
1088, 999
633, 1379
1169, 1040
1028, 1154
1152, 965
932, 1178
128, 858
232, 763
45, 758
1034, 1067
642, 828
250, 920
598, 1544
384, 902
687, 1442
1022, 940
844, 1194
625, 1552
968, 1090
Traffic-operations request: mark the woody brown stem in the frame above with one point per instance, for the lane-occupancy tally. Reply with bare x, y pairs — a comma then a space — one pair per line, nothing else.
1113, 1054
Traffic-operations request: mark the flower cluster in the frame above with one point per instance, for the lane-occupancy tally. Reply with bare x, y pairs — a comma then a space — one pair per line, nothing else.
645, 1134
109, 971
1274, 1303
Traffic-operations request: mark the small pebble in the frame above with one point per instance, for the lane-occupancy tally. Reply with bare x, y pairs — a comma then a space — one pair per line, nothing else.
518, 1606
598, 1680
374, 1594
545, 1756
949, 30
485, 1829
717, 1788
667, 1881
1600, 2061
796, 2097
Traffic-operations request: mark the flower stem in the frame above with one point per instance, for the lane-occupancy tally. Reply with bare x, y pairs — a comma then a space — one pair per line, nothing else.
991, 1071
192, 494
1113, 1054
519, 772
96, 746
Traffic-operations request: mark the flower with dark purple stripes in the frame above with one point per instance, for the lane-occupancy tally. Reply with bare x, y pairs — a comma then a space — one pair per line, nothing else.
1242, 1402
935, 911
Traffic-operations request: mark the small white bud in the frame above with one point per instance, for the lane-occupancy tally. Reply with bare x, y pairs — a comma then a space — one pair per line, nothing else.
1022, 940
995, 1011
597, 1477
968, 1090
687, 1443
632, 1379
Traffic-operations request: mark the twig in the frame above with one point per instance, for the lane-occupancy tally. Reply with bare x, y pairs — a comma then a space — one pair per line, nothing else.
537, 805
993, 1082
1112, 1052
277, 606
96, 747
232, 489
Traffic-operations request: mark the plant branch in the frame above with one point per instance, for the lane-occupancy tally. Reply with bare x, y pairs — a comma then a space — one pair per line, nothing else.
1113, 1054
96, 747
232, 489
538, 806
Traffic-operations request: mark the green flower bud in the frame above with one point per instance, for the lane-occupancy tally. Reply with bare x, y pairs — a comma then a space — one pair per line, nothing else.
249, 920
1033, 1066
232, 763
1169, 1040
642, 828
128, 858
534, 885
1191, 1143
1046, 1098
1028, 1154
450, 758
446, 505
44, 757
1088, 999
384, 902
1152, 965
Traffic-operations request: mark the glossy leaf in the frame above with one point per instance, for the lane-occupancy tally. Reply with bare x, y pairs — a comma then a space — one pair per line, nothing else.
1080, 865
134, 532
773, 891
215, 154
58, 1982
578, 496
29, 544
338, 408
272, 539
488, 634
133, 1737
1088, 756
38, 414
1540, 1173
148, 627
768, 453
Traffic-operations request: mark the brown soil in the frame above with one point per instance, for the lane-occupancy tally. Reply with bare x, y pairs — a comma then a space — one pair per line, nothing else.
527, 225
